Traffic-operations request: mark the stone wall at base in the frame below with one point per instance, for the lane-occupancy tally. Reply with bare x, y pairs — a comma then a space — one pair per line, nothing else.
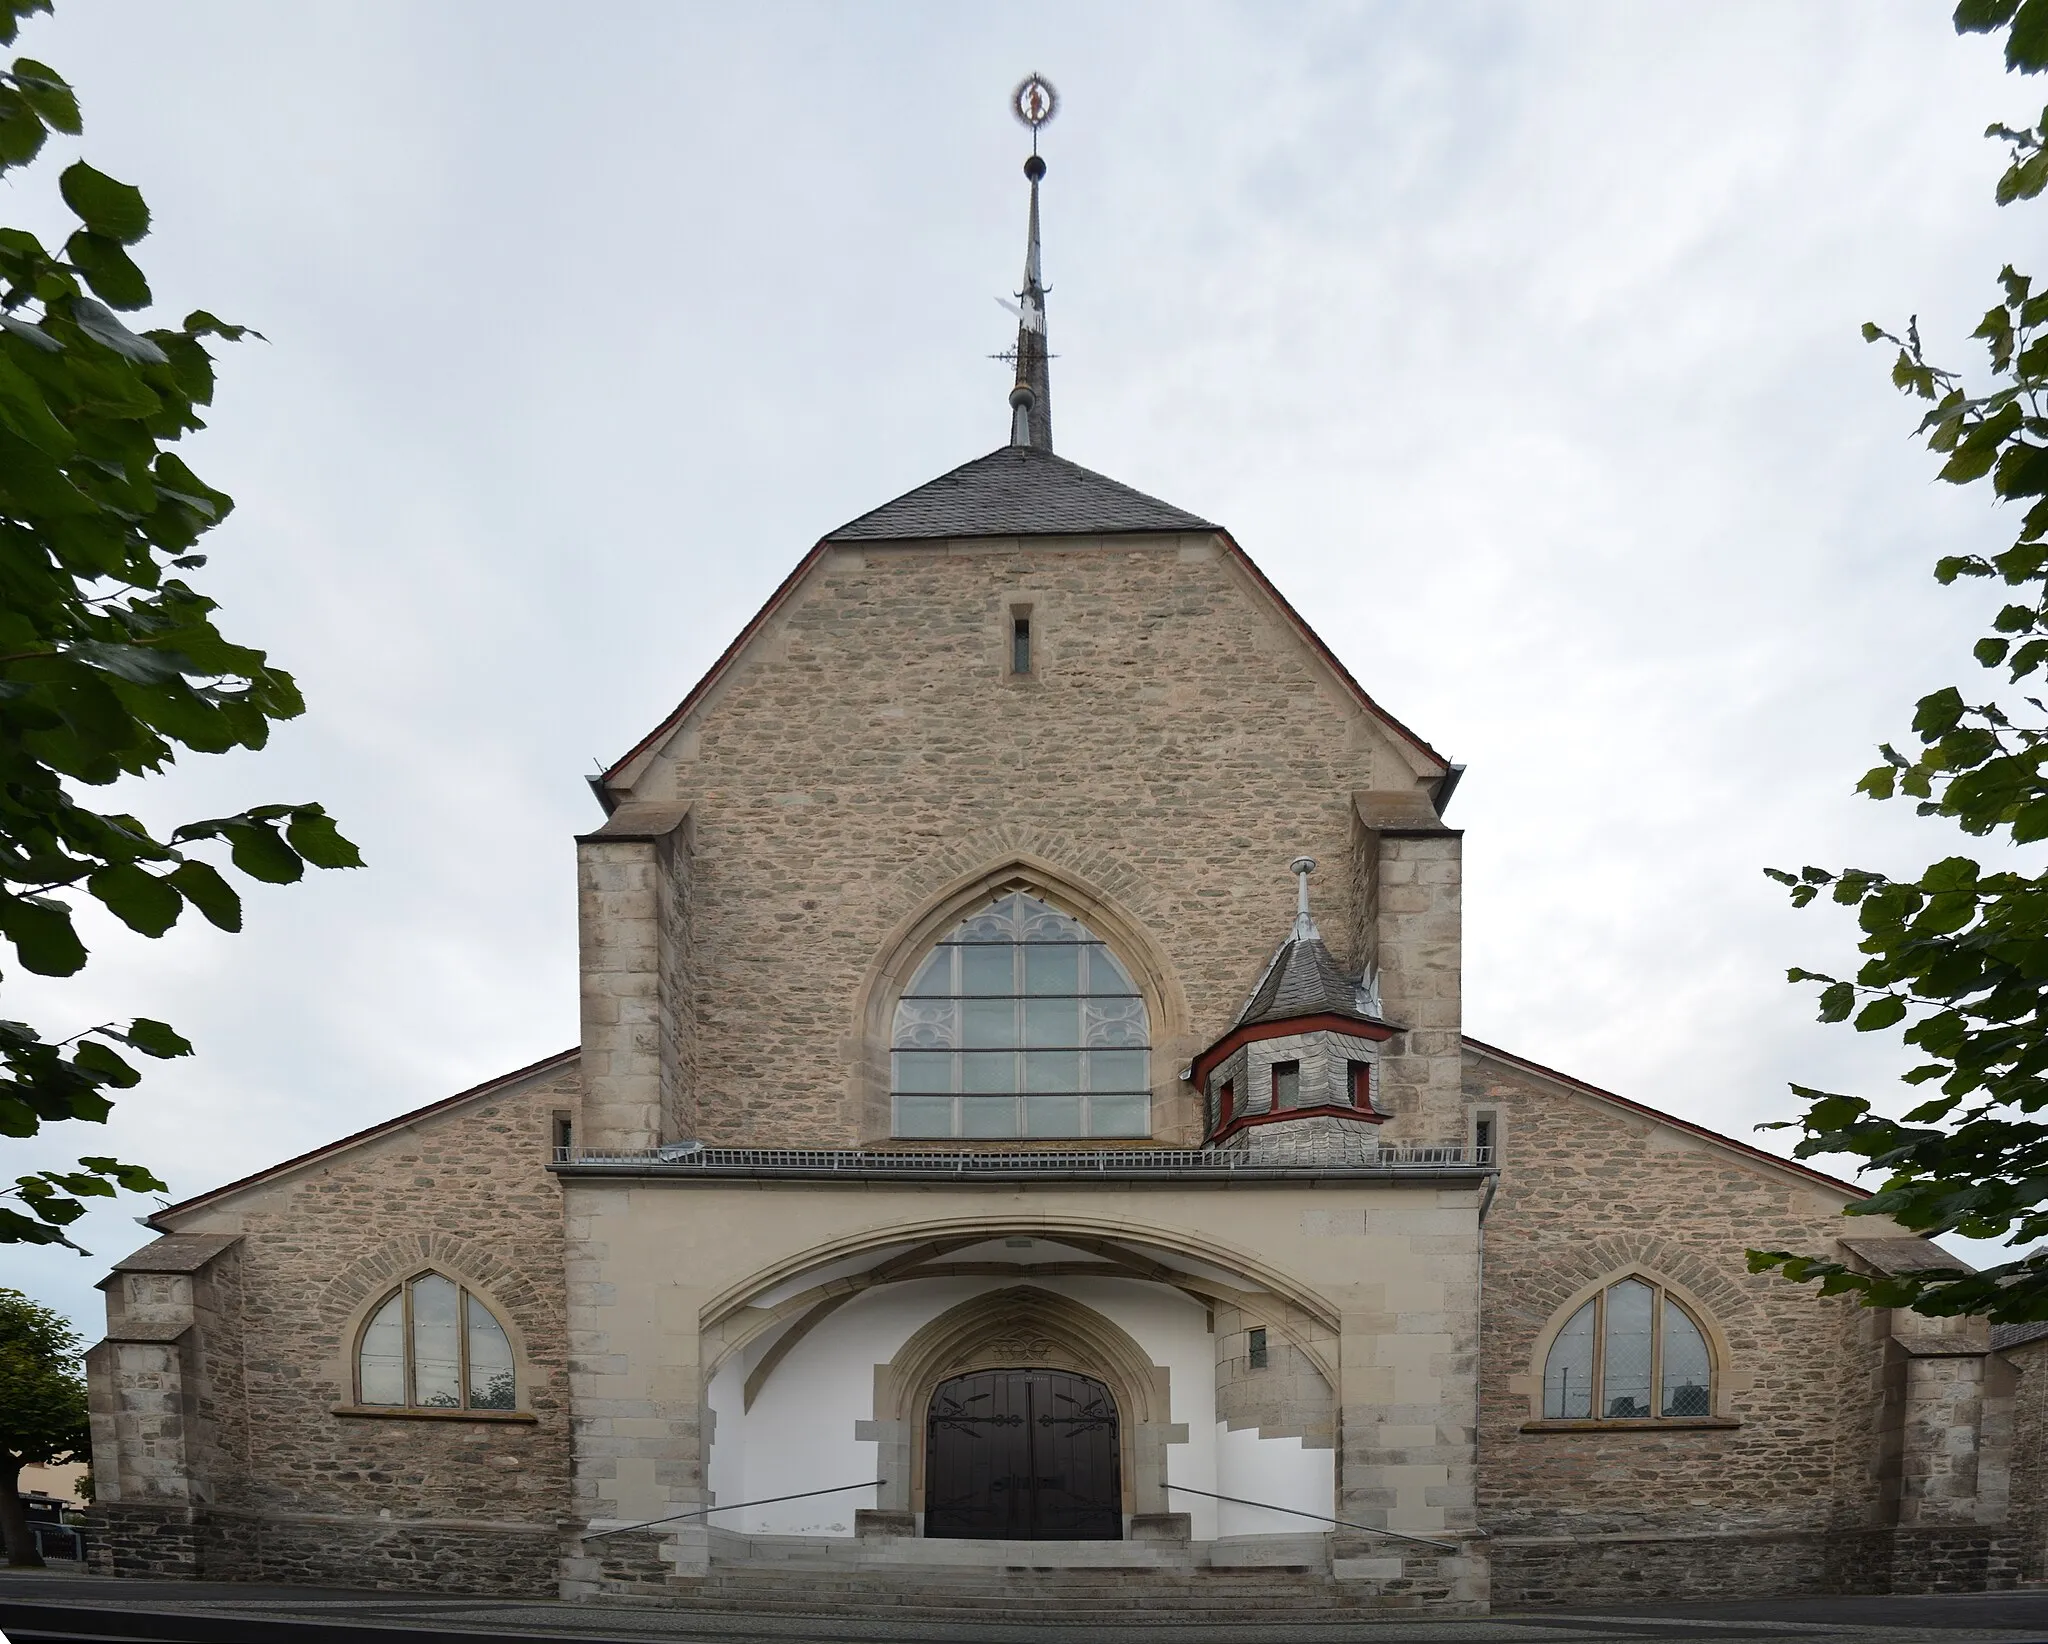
421, 1555
1532, 1570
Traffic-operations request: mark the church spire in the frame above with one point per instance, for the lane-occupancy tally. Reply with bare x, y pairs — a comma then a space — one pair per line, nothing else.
1035, 102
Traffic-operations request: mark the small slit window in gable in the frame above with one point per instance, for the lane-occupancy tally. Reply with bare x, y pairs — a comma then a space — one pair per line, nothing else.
1360, 1083
1255, 1348
1020, 639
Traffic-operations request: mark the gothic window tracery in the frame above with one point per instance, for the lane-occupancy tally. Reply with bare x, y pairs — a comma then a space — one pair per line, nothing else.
1021, 1023
1632, 1352
433, 1345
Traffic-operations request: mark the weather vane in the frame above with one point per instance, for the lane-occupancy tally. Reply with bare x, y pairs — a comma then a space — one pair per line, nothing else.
1034, 102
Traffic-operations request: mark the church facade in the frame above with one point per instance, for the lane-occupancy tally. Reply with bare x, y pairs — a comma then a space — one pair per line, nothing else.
1022, 1123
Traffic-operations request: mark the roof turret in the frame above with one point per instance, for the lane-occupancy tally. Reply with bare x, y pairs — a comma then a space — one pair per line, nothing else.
1303, 978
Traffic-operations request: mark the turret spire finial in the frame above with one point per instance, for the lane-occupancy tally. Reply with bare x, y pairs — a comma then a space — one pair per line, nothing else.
1034, 102
1304, 926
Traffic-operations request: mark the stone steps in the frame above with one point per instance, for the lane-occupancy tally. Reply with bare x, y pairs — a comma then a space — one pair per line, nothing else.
1052, 1594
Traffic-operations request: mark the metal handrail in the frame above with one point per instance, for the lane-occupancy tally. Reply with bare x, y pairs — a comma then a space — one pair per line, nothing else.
1390, 1155
731, 1507
1321, 1518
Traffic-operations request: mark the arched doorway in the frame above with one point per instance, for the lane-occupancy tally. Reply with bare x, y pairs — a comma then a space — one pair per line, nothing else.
1023, 1455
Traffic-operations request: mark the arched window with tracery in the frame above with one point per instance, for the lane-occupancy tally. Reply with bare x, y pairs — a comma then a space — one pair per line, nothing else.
432, 1345
1633, 1352
1021, 1022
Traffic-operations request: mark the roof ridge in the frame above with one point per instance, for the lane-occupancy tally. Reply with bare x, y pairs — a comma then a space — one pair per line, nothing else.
1017, 490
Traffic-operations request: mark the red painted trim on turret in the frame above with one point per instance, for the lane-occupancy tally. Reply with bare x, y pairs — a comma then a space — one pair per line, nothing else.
1328, 1110
1326, 1022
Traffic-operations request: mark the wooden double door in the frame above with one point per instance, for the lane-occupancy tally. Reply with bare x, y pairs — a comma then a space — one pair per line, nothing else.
1023, 1455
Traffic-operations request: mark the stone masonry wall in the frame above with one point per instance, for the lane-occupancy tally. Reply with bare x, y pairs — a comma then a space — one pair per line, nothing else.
1287, 1397
391, 1500
1174, 748
1589, 1191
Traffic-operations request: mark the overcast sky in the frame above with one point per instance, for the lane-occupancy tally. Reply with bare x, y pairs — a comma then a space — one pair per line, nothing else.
1517, 342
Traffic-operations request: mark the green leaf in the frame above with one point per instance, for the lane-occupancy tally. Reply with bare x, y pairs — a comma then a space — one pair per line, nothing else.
1880, 1013
98, 322
100, 1059
109, 270
138, 898
262, 854
158, 1039
46, 93
41, 932
104, 205
23, 408
314, 836
13, 13
201, 884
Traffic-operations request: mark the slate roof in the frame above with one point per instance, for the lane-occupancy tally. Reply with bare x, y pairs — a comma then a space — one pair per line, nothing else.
2017, 1335
1907, 1256
1017, 491
177, 1253
1303, 980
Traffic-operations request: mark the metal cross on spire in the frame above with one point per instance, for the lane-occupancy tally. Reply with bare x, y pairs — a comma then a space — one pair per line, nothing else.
1034, 102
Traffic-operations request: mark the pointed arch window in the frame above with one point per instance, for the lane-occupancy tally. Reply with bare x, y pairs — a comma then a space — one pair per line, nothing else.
432, 1345
1021, 1023
1633, 1352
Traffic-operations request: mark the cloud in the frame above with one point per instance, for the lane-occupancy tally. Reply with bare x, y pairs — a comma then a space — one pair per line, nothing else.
1517, 344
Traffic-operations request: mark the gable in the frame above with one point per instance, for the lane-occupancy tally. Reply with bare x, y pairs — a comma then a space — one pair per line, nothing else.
546, 1076
979, 495
1669, 1129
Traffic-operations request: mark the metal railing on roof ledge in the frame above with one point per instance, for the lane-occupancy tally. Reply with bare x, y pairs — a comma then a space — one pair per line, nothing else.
1404, 1158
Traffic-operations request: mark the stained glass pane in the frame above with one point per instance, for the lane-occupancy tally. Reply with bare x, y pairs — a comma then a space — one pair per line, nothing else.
1052, 968
924, 1115
988, 1023
381, 1375
924, 1070
1011, 976
1052, 1116
934, 976
1113, 1022
1625, 1376
1116, 1070
1286, 1085
490, 1360
1686, 1391
1105, 975
990, 970
1120, 1115
928, 1024
1052, 1070
1055, 1022
988, 1116
436, 1343
1568, 1371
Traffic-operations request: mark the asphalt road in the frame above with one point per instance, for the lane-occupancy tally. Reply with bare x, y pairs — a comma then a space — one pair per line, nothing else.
38, 1608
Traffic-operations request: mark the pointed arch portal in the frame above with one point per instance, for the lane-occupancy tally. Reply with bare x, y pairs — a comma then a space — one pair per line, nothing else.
1023, 1455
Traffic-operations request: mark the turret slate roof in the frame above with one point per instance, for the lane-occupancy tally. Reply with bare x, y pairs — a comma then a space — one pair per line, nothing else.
1016, 491
1303, 980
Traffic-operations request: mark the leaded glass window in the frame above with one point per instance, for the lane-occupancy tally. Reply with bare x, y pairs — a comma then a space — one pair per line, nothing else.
1021, 1023
432, 1345
1629, 1340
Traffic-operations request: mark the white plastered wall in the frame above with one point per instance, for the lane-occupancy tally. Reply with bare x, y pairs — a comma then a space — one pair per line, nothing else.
799, 1436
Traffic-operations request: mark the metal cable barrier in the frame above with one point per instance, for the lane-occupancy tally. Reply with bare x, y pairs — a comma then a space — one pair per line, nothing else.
733, 1507
1321, 1518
